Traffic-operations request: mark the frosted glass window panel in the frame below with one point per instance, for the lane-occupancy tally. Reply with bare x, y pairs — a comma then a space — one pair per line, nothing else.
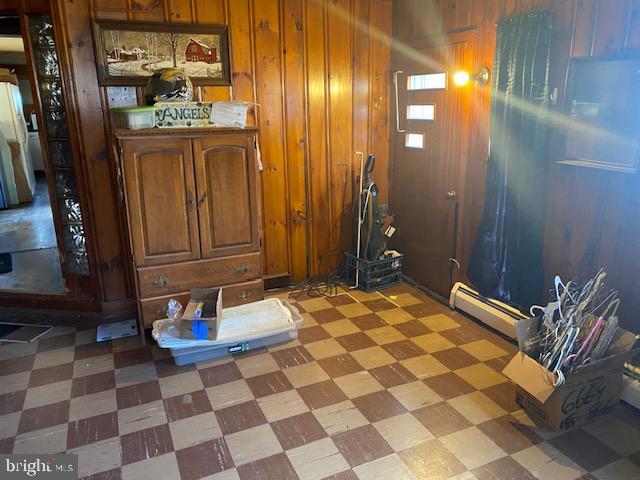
51, 92
73, 237
427, 81
60, 152
47, 63
55, 123
75, 249
76, 262
56, 128
414, 140
421, 112
41, 29
65, 183
70, 211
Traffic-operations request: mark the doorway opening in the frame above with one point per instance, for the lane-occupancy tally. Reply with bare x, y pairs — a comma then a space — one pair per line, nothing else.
29, 256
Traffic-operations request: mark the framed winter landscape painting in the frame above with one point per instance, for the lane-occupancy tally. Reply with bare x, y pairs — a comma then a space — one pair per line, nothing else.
127, 53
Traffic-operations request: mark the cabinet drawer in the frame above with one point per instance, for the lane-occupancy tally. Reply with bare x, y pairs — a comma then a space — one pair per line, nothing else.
154, 308
241, 293
247, 292
169, 279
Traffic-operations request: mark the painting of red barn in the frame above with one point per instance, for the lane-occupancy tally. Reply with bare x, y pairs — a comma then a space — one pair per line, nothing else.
198, 51
128, 53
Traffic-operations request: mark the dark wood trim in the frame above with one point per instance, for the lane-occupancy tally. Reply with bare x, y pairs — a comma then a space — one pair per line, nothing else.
442, 38
179, 131
127, 305
277, 281
21, 70
36, 7
113, 155
35, 300
67, 318
18, 299
422, 288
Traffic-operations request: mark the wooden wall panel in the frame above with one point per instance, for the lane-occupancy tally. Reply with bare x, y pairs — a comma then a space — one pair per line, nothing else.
340, 128
180, 11
380, 85
583, 27
242, 53
317, 132
103, 220
361, 98
147, 10
294, 90
211, 11
610, 28
268, 52
592, 218
321, 84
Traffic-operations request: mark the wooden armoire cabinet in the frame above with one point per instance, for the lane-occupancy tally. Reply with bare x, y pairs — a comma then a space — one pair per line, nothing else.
192, 201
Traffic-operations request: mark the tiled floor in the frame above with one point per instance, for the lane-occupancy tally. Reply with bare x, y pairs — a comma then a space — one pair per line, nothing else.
374, 388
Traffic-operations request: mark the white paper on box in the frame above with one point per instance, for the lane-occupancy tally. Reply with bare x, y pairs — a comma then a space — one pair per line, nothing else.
229, 114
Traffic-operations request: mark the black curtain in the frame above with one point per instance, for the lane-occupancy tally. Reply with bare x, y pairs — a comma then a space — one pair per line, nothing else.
507, 257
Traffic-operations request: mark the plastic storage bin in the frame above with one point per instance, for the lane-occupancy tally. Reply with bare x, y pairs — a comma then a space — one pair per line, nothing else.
134, 118
374, 274
242, 328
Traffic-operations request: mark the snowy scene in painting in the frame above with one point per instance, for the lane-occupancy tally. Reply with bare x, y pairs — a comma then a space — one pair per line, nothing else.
131, 53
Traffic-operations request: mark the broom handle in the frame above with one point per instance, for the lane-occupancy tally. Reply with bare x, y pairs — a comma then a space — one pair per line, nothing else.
360, 220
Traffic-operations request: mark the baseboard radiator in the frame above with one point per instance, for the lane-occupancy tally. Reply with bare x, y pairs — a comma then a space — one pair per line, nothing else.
631, 390
497, 315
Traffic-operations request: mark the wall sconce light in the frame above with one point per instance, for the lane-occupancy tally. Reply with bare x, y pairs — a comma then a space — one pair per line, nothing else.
461, 78
481, 77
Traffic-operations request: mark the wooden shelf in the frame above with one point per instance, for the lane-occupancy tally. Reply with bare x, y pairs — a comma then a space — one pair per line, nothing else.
180, 131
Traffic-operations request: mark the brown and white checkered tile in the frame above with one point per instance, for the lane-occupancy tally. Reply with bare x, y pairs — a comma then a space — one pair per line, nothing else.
382, 385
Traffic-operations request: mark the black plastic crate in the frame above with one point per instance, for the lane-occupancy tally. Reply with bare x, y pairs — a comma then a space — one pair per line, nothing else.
374, 274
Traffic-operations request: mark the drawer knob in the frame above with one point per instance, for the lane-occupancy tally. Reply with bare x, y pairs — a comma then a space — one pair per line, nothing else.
244, 268
243, 295
162, 312
160, 282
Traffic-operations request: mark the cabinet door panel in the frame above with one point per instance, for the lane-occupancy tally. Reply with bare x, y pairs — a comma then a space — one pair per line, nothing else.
159, 184
226, 184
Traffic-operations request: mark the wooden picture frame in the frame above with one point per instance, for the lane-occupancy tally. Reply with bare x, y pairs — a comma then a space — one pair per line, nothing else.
127, 53
602, 112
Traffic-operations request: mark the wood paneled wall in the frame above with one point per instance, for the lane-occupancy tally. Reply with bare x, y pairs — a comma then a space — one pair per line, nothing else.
318, 71
592, 215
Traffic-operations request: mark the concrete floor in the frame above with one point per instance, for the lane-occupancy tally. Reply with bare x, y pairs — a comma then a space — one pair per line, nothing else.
28, 233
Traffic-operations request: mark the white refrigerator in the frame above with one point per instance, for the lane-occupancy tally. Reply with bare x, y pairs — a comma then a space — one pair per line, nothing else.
13, 128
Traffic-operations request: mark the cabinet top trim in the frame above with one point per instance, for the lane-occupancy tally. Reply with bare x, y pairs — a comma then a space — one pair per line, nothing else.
181, 131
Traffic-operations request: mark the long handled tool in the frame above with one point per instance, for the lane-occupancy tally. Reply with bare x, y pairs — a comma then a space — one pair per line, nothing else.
360, 217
